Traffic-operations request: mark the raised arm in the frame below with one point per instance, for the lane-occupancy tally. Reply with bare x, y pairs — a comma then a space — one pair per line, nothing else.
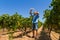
31, 13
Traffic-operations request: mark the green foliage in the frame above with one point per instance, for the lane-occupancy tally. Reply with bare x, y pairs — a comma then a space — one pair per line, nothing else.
16, 21
56, 13
52, 17
39, 24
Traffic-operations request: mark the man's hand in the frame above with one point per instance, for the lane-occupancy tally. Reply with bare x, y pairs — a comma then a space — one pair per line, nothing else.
31, 10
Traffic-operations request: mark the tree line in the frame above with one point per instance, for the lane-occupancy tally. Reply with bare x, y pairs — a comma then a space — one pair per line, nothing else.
52, 16
16, 21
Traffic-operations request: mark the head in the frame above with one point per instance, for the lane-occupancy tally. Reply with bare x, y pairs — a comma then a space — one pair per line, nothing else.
36, 13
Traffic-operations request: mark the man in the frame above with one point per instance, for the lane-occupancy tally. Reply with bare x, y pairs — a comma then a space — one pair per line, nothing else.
35, 16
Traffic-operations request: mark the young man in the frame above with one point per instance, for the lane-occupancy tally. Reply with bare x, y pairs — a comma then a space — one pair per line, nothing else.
35, 16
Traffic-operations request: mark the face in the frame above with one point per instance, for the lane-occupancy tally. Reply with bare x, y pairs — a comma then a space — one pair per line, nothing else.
35, 13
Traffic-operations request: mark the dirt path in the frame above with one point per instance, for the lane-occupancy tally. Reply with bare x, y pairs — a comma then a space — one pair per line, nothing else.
5, 37
54, 36
30, 34
42, 34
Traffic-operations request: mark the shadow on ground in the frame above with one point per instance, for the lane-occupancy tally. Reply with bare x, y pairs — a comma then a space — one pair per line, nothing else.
44, 36
20, 36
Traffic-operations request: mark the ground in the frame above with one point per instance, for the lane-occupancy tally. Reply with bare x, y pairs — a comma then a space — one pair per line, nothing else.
42, 35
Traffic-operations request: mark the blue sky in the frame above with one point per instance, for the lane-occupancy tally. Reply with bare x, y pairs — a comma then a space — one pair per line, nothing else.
23, 7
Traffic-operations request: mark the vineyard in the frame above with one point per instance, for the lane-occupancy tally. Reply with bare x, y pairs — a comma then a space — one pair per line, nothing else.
16, 23
52, 17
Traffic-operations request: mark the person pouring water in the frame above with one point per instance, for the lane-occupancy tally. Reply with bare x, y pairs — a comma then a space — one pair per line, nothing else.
35, 17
